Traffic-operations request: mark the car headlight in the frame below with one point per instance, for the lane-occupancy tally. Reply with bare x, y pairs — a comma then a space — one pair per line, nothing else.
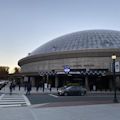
60, 91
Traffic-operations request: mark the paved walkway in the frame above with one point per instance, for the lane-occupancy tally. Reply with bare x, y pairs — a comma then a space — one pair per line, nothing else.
22, 90
90, 112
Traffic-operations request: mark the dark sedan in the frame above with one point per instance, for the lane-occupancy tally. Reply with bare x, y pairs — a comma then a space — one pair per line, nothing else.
72, 90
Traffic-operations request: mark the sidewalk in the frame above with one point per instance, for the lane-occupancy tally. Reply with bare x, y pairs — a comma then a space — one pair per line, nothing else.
96, 93
54, 90
88, 112
22, 90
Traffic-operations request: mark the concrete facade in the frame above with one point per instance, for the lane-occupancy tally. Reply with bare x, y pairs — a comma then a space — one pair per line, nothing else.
97, 60
88, 50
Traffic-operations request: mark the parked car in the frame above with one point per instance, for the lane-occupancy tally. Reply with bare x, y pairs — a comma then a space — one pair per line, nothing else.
72, 90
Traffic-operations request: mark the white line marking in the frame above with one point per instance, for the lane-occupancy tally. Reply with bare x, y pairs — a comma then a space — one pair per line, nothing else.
2, 96
26, 100
12, 102
6, 100
12, 96
16, 105
53, 95
43, 104
12, 99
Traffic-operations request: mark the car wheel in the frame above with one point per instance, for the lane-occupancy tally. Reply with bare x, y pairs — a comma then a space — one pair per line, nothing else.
66, 94
85, 93
82, 93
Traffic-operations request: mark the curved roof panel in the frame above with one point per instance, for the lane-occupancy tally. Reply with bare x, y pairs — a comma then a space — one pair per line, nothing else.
89, 39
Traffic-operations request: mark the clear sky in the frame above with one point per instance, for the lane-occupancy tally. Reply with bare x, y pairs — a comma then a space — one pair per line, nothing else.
27, 24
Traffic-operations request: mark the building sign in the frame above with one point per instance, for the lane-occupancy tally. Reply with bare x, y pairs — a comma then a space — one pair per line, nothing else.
117, 66
66, 69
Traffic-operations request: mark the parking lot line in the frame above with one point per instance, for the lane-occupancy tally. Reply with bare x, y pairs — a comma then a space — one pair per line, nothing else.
2, 96
53, 95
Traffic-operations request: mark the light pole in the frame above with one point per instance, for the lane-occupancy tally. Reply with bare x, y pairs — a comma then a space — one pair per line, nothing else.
66, 70
114, 78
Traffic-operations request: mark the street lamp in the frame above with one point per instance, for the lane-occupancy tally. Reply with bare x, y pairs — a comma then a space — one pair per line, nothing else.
114, 78
66, 70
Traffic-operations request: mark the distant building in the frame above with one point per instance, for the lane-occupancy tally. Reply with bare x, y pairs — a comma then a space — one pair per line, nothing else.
86, 53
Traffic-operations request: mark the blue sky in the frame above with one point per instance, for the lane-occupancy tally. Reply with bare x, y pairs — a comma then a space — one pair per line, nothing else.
27, 24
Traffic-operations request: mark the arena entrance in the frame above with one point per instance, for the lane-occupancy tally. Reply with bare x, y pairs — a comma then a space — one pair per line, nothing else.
92, 79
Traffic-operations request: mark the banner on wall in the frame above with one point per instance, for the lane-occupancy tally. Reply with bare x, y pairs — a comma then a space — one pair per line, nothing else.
117, 66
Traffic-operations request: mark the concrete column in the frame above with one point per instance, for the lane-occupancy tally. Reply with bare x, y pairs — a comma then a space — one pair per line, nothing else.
25, 79
47, 79
86, 83
56, 81
32, 80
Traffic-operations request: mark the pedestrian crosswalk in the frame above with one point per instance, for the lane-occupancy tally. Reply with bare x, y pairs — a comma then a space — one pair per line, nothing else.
14, 100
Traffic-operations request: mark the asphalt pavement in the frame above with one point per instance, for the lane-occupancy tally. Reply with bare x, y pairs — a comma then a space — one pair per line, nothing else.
75, 112
88, 112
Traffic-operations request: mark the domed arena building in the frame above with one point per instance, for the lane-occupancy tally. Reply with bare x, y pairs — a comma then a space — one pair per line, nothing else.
82, 58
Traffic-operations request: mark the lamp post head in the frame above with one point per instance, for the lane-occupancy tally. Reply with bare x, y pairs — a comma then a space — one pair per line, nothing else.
113, 57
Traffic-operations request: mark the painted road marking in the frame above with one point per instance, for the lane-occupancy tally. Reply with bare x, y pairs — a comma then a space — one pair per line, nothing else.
26, 100
2, 96
53, 95
16, 105
14, 100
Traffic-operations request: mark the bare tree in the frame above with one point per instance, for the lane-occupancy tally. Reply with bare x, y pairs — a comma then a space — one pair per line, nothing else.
16, 70
4, 70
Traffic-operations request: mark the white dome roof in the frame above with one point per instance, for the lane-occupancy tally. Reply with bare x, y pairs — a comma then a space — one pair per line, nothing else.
89, 39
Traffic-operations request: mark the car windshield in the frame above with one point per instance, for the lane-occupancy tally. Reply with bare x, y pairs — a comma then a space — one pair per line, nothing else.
70, 87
